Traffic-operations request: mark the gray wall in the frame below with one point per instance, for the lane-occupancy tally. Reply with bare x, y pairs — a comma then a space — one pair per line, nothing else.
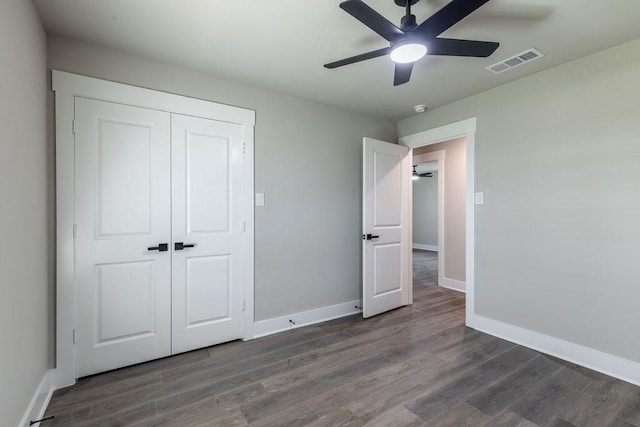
425, 211
455, 203
25, 299
307, 162
558, 160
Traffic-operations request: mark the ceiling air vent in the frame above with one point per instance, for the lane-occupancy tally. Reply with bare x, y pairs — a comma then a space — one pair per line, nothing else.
515, 61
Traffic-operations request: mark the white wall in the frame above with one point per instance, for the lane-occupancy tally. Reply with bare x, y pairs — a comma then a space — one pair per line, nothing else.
558, 160
307, 162
25, 294
425, 211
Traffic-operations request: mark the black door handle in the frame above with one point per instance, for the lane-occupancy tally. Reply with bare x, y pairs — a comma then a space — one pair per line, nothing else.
369, 236
178, 246
162, 247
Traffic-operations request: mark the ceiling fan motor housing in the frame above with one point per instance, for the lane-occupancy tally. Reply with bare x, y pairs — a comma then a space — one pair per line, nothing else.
408, 23
403, 3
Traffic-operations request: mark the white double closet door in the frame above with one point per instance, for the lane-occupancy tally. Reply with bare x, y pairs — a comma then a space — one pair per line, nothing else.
149, 184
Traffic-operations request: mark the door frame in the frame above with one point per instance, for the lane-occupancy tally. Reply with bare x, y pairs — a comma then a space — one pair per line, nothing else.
67, 87
464, 128
437, 156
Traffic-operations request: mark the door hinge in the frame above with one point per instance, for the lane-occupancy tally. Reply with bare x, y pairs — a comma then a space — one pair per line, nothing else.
244, 226
74, 336
73, 126
244, 148
244, 305
75, 230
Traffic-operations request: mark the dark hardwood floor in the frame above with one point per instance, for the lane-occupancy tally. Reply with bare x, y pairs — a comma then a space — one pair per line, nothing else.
414, 366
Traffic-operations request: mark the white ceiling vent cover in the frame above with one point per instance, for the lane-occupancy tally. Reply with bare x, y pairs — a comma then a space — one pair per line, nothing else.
515, 61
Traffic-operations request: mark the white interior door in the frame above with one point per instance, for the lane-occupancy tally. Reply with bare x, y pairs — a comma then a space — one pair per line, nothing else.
386, 217
207, 170
123, 288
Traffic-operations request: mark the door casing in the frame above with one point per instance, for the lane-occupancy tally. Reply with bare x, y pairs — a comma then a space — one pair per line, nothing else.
465, 128
67, 87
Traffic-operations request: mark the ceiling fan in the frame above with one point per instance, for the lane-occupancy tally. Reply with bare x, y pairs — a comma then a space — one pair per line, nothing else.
415, 175
411, 41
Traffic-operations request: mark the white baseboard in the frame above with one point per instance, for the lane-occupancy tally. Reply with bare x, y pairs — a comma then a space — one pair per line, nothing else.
425, 247
455, 285
40, 399
305, 318
615, 366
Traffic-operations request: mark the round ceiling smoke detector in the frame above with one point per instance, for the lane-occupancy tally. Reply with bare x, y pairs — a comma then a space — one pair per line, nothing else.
420, 108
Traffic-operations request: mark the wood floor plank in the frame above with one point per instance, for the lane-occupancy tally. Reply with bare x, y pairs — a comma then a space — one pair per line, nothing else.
329, 358
295, 415
405, 389
630, 411
244, 361
185, 391
123, 418
214, 377
497, 397
92, 393
591, 374
279, 401
232, 418
559, 422
508, 418
70, 417
337, 417
460, 415
547, 400
201, 414
390, 382
617, 422
438, 401
598, 404
397, 416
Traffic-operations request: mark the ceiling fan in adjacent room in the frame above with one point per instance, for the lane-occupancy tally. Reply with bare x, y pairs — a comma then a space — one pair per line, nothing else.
415, 175
411, 41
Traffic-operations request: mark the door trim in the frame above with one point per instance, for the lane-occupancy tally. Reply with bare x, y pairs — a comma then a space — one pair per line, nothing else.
465, 128
67, 87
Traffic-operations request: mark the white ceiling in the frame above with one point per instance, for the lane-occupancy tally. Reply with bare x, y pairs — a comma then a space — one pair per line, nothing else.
282, 45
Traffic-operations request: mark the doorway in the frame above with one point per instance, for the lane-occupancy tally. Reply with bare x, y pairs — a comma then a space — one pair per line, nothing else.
451, 191
431, 141
425, 220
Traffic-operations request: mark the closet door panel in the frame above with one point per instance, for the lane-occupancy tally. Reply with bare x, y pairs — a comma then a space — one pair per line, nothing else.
207, 170
207, 183
123, 289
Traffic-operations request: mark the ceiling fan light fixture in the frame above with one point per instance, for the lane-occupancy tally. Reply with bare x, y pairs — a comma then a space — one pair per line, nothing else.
414, 175
408, 52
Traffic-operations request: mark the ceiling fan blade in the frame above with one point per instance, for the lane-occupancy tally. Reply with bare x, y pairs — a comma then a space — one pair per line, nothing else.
402, 73
358, 58
372, 19
456, 47
447, 17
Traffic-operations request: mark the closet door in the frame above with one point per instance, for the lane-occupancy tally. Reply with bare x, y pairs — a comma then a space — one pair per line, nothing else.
123, 284
207, 171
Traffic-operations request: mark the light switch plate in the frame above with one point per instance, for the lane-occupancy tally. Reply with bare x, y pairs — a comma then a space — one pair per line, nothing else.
259, 199
479, 198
